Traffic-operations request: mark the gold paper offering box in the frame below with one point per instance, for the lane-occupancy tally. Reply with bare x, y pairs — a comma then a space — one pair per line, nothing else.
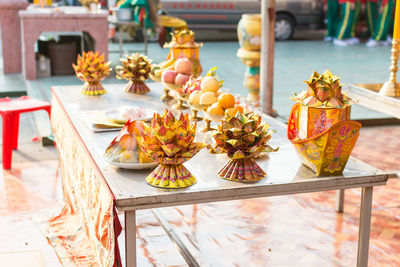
319, 125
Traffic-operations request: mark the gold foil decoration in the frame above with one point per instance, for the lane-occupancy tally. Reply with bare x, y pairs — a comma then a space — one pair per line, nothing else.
242, 137
319, 125
170, 142
92, 69
136, 68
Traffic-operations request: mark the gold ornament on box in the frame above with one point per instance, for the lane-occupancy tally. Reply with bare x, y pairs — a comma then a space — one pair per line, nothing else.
92, 68
135, 68
319, 125
170, 142
242, 137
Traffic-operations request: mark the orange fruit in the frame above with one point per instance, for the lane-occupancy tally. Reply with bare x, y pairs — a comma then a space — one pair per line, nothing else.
226, 100
215, 109
239, 108
234, 110
230, 111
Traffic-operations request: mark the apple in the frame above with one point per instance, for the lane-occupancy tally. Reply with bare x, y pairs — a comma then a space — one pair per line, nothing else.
184, 66
168, 76
181, 79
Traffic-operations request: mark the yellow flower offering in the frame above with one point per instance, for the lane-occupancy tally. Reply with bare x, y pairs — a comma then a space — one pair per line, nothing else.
170, 142
92, 68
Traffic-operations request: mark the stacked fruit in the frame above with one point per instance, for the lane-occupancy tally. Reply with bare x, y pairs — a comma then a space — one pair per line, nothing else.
206, 93
182, 45
194, 84
158, 69
226, 104
178, 77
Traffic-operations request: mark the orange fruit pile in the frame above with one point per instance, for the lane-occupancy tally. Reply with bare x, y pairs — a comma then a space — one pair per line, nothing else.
225, 105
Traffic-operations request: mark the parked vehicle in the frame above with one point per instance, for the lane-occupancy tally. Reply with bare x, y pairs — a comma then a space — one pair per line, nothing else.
225, 14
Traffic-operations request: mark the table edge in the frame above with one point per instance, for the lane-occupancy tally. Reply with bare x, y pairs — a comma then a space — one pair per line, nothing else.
369, 99
61, 15
220, 195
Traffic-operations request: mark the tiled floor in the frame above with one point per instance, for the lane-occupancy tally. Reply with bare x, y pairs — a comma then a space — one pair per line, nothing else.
379, 146
300, 230
26, 191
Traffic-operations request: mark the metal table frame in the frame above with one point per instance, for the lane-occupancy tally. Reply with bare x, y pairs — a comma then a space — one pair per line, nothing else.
132, 193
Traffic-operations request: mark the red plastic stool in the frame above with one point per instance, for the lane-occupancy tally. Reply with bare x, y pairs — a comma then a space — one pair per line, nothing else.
10, 110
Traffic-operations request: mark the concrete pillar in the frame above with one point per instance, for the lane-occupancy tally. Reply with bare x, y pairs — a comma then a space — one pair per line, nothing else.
267, 55
11, 34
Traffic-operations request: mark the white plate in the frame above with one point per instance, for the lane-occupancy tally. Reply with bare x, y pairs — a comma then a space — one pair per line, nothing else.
115, 114
132, 166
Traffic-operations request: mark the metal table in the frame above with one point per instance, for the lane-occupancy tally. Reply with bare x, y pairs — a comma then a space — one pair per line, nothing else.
369, 97
113, 20
286, 174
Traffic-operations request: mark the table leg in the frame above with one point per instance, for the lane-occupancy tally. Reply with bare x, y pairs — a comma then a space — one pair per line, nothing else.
340, 200
365, 225
120, 40
145, 38
7, 141
82, 43
28, 53
130, 238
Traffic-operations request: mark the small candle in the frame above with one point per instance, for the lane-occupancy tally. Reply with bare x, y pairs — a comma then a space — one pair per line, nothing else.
396, 31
